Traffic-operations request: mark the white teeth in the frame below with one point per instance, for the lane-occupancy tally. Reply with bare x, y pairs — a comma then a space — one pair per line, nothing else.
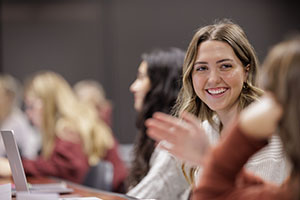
216, 91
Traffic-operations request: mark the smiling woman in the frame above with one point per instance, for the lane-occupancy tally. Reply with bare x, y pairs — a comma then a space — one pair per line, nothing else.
219, 80
219, 60
218, 76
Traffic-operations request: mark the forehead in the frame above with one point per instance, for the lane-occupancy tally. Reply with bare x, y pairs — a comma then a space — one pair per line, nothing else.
213, 49
143, 67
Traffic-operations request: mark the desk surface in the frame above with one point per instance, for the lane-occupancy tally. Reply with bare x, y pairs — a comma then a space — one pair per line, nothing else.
79, 190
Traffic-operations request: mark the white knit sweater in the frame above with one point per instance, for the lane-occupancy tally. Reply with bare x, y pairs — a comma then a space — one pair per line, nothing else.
164, 180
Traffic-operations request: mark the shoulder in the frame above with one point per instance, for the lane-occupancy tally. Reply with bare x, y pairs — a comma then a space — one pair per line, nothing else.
14, 119
164, 179
161, 156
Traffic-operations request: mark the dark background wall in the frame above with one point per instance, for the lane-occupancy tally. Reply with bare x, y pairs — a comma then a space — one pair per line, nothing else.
103, 39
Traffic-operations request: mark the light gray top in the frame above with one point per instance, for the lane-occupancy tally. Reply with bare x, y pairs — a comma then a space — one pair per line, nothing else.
164, 180
28, 139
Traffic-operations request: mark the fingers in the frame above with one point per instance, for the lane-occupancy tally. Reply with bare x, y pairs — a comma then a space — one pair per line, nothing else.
164, 121
160, 131
191, 119
173, 150
261, 117
181, 138
274, 107
166, 127
167, 119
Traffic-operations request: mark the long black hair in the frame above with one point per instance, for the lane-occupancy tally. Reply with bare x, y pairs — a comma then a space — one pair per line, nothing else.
164, 69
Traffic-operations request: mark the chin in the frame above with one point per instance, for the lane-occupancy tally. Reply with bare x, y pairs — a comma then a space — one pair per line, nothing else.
215, 108
137, 108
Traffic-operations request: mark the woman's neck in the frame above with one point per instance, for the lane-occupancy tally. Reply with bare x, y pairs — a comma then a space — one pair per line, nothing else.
226, 116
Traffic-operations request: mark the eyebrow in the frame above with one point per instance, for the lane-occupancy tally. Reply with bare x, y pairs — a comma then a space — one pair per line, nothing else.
223, 60
199, 62
219, 61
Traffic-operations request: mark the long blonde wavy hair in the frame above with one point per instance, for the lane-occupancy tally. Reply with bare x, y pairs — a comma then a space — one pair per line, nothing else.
61, 110
232, 34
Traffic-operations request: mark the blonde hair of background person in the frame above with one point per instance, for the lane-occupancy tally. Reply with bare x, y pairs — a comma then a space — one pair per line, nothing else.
233, 35
62, 110
12, 117
92, 92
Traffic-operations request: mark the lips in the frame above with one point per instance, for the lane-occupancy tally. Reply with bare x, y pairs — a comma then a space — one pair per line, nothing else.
216, 91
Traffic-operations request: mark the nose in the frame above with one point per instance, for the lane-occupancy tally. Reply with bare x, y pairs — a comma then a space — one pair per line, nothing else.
214, 77
132, 87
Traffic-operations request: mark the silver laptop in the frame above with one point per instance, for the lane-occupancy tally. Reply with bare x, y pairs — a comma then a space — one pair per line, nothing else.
19, 177
17, 170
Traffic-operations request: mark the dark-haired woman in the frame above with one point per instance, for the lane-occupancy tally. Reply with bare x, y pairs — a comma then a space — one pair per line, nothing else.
155, 173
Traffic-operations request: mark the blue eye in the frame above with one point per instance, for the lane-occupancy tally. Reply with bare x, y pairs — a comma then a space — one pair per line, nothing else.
200, 68
226, 66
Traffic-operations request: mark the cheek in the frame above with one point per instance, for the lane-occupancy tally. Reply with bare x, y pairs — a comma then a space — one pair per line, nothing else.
146, 91
146, 87
30, 116
198, 83
35, 116
234, 79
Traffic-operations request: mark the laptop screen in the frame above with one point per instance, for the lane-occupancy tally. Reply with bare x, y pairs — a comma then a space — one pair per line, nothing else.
14, 159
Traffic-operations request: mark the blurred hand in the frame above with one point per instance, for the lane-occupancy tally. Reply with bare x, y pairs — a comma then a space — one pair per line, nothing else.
183, 138
259, 120
4, 167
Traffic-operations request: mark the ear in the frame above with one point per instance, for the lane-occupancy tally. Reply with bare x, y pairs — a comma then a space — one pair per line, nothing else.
247, 68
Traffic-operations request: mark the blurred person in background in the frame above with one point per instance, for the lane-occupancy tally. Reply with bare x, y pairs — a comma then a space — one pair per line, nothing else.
92, 92
73, 139
154, 172
13, 118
